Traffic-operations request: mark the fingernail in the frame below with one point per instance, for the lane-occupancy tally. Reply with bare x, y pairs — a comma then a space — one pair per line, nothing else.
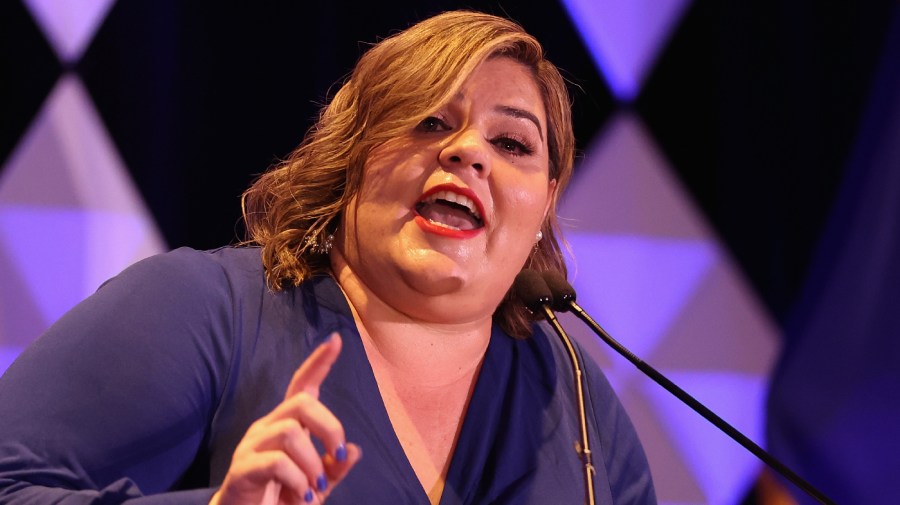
340, 454
308, 497
321, 483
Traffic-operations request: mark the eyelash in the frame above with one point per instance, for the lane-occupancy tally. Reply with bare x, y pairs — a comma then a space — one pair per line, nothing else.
508, 142
441, 124
520, 145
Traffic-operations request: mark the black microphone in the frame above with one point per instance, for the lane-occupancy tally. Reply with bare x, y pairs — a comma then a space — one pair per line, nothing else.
532, 290
563, 295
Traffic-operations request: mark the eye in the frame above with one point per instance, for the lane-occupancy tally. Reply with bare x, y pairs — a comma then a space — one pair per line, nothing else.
513, 144
433, 124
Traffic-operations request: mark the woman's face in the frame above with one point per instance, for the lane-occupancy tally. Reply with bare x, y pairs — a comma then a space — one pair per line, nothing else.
448, 213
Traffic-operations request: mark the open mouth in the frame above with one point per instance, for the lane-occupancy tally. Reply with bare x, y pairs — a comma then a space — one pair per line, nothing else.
450, 209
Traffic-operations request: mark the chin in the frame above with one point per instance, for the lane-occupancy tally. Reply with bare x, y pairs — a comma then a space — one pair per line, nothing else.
445, 288
433, 274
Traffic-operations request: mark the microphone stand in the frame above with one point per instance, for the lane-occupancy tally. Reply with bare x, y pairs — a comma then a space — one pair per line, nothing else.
531, 289
698, 407
584, 448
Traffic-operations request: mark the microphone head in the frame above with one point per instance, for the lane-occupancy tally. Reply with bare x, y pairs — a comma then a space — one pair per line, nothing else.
563, 294
531, 289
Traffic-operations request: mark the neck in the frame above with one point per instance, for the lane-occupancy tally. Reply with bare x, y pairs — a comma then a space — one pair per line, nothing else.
436, 354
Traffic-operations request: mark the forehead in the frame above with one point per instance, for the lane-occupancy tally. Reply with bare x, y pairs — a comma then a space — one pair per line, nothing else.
503, 82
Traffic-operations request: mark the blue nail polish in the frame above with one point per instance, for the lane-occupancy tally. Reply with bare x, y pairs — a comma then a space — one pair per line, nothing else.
321, 483
340, 454
308, 497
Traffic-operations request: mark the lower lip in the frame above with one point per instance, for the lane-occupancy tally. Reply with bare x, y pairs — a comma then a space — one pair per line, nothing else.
443, 231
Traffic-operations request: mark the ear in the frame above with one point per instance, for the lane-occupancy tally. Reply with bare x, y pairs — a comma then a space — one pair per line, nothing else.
551, 198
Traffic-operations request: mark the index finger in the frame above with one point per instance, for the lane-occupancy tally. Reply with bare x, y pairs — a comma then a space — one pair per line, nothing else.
313, 371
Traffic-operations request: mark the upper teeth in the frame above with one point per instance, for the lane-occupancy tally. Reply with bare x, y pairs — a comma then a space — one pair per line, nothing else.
457, 199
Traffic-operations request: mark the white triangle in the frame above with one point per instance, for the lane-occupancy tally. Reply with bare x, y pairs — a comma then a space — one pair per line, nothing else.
115, 241
624, 186
673, 478
625, 37
722, 467
67, 144
69, 24
723, 327
635, 286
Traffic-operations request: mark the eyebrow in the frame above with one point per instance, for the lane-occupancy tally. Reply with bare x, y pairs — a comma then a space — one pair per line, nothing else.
520, 113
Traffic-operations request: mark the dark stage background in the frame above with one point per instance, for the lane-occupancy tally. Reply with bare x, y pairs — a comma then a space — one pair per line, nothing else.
769, 113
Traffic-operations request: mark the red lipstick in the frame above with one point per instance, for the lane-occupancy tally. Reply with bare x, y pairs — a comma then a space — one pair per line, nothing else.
437, 228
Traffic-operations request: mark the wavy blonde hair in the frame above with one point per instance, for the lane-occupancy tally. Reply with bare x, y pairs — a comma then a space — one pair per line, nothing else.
394, 86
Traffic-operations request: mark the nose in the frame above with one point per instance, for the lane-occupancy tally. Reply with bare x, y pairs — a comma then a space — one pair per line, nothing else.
466, 149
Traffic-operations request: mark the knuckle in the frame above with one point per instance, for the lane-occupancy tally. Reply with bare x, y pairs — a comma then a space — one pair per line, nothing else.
279, 464
256, 425
294, 429
304, 399
335, 431
292, 434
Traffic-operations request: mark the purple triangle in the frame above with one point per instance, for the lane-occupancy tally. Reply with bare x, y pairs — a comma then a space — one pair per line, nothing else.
69, 26
21, 320
8, 354
48, 249
723, 468
625, 37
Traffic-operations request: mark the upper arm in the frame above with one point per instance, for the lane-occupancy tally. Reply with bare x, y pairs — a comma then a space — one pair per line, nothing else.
123, 386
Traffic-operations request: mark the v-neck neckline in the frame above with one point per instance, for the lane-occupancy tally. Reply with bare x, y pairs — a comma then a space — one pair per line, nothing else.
491, 454
456, 467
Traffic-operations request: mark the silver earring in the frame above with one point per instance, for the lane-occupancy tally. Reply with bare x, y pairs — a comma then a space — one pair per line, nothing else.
323, 247
538, 236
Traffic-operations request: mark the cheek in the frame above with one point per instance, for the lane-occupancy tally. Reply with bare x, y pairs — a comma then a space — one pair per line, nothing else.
377, 184
392, 182
394, 177
522, 214
524, 207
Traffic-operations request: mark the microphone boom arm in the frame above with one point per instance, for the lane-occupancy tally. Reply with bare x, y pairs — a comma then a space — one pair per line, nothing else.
701, 409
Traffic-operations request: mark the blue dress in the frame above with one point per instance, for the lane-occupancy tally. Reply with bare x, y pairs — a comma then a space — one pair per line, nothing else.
141, 393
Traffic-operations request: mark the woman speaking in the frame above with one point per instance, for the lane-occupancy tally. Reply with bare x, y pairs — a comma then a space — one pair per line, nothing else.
369, 312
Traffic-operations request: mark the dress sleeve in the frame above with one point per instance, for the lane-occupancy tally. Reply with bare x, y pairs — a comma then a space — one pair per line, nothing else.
113, 403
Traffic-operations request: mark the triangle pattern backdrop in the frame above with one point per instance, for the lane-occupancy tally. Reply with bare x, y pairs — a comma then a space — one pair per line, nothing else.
648, 265
70, 216
650, 269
